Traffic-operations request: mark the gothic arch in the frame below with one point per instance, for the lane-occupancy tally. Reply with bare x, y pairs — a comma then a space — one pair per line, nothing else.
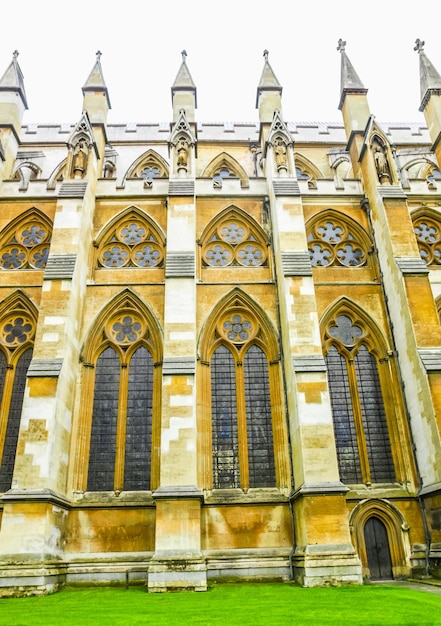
124, 329
151, 160
225, 160
421, 167
233, 237
427, 228
307, 166
132, 238
25, 241
359, 357
336, 239
237, 328
18, 321
397, 532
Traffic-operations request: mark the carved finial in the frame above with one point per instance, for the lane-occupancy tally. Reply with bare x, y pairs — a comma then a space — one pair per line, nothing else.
419, 45
15, 54
184, 54
341, 45
265, 54
98, 54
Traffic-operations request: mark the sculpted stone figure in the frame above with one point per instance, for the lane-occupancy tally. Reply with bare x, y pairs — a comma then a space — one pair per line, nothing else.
280, 151
80, 156
381, 164
182, 151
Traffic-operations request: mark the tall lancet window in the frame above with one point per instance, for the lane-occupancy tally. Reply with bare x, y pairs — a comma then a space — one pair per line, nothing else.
242, 421
119, 420
360, 424
17, 330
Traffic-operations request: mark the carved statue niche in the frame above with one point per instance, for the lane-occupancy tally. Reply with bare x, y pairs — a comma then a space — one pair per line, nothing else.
381, 163
182, 154
80, 157
280, 152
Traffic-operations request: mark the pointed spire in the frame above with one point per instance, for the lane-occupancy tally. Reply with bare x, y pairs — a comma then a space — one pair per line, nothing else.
430, 79
95, 81
268, 80
350, 81
12, 79
183, 92
183, 80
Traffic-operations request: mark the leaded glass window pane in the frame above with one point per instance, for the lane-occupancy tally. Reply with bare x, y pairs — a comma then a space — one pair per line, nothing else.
374, 418
139, 422
344, 427
2, 373
259, 420
12, 429
104, 420
226, 472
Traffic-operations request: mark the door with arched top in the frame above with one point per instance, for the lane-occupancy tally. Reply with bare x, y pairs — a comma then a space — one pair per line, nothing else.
377, 550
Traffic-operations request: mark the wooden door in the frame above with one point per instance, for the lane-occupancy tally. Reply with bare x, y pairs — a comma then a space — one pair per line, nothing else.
377, 549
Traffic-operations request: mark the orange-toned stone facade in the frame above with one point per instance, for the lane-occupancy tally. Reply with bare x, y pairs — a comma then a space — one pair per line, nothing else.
220, 346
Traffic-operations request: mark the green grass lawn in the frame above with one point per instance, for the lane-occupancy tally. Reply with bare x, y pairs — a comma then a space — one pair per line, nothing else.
246, 604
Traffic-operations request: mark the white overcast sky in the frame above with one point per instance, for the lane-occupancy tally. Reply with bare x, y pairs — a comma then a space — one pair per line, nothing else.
141, 44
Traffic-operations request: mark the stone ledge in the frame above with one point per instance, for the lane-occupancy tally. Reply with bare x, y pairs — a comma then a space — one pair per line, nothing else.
178, 492
309, 363
180, 265
431, 359
411, 265
178, 365
296, 263
45, 368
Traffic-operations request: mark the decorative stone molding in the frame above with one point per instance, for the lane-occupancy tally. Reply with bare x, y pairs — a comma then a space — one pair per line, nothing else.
43, 368
180, 265
72, 189
287, 187
309, 363
431, 359
392, 191
60, 266
181, 188
296, 263
178, 365
411, 265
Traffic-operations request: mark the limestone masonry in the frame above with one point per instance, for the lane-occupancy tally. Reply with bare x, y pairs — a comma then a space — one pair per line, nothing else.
220, 344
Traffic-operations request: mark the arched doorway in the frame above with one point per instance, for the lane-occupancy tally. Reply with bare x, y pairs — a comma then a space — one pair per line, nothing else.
377, 549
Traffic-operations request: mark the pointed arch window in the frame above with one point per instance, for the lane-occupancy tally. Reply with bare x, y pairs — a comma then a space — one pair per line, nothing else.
132, 242
427, 230
25, 244
122, 415
242, 426
332, 240
359, 414
17, 330
234, 242
120, 421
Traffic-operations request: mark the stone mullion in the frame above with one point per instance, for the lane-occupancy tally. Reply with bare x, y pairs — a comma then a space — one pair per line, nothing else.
82, 430
121, 427
358, 421
242, 426
5, 403
280, 436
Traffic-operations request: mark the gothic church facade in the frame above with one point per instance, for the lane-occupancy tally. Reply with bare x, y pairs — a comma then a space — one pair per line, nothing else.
220, 344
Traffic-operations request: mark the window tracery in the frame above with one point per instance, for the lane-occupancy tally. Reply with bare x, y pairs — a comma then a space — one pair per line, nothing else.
233, 242
241, 407
25, 245
131, 242
428, 233
359, 413
335, 241
120, 422
243, 448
